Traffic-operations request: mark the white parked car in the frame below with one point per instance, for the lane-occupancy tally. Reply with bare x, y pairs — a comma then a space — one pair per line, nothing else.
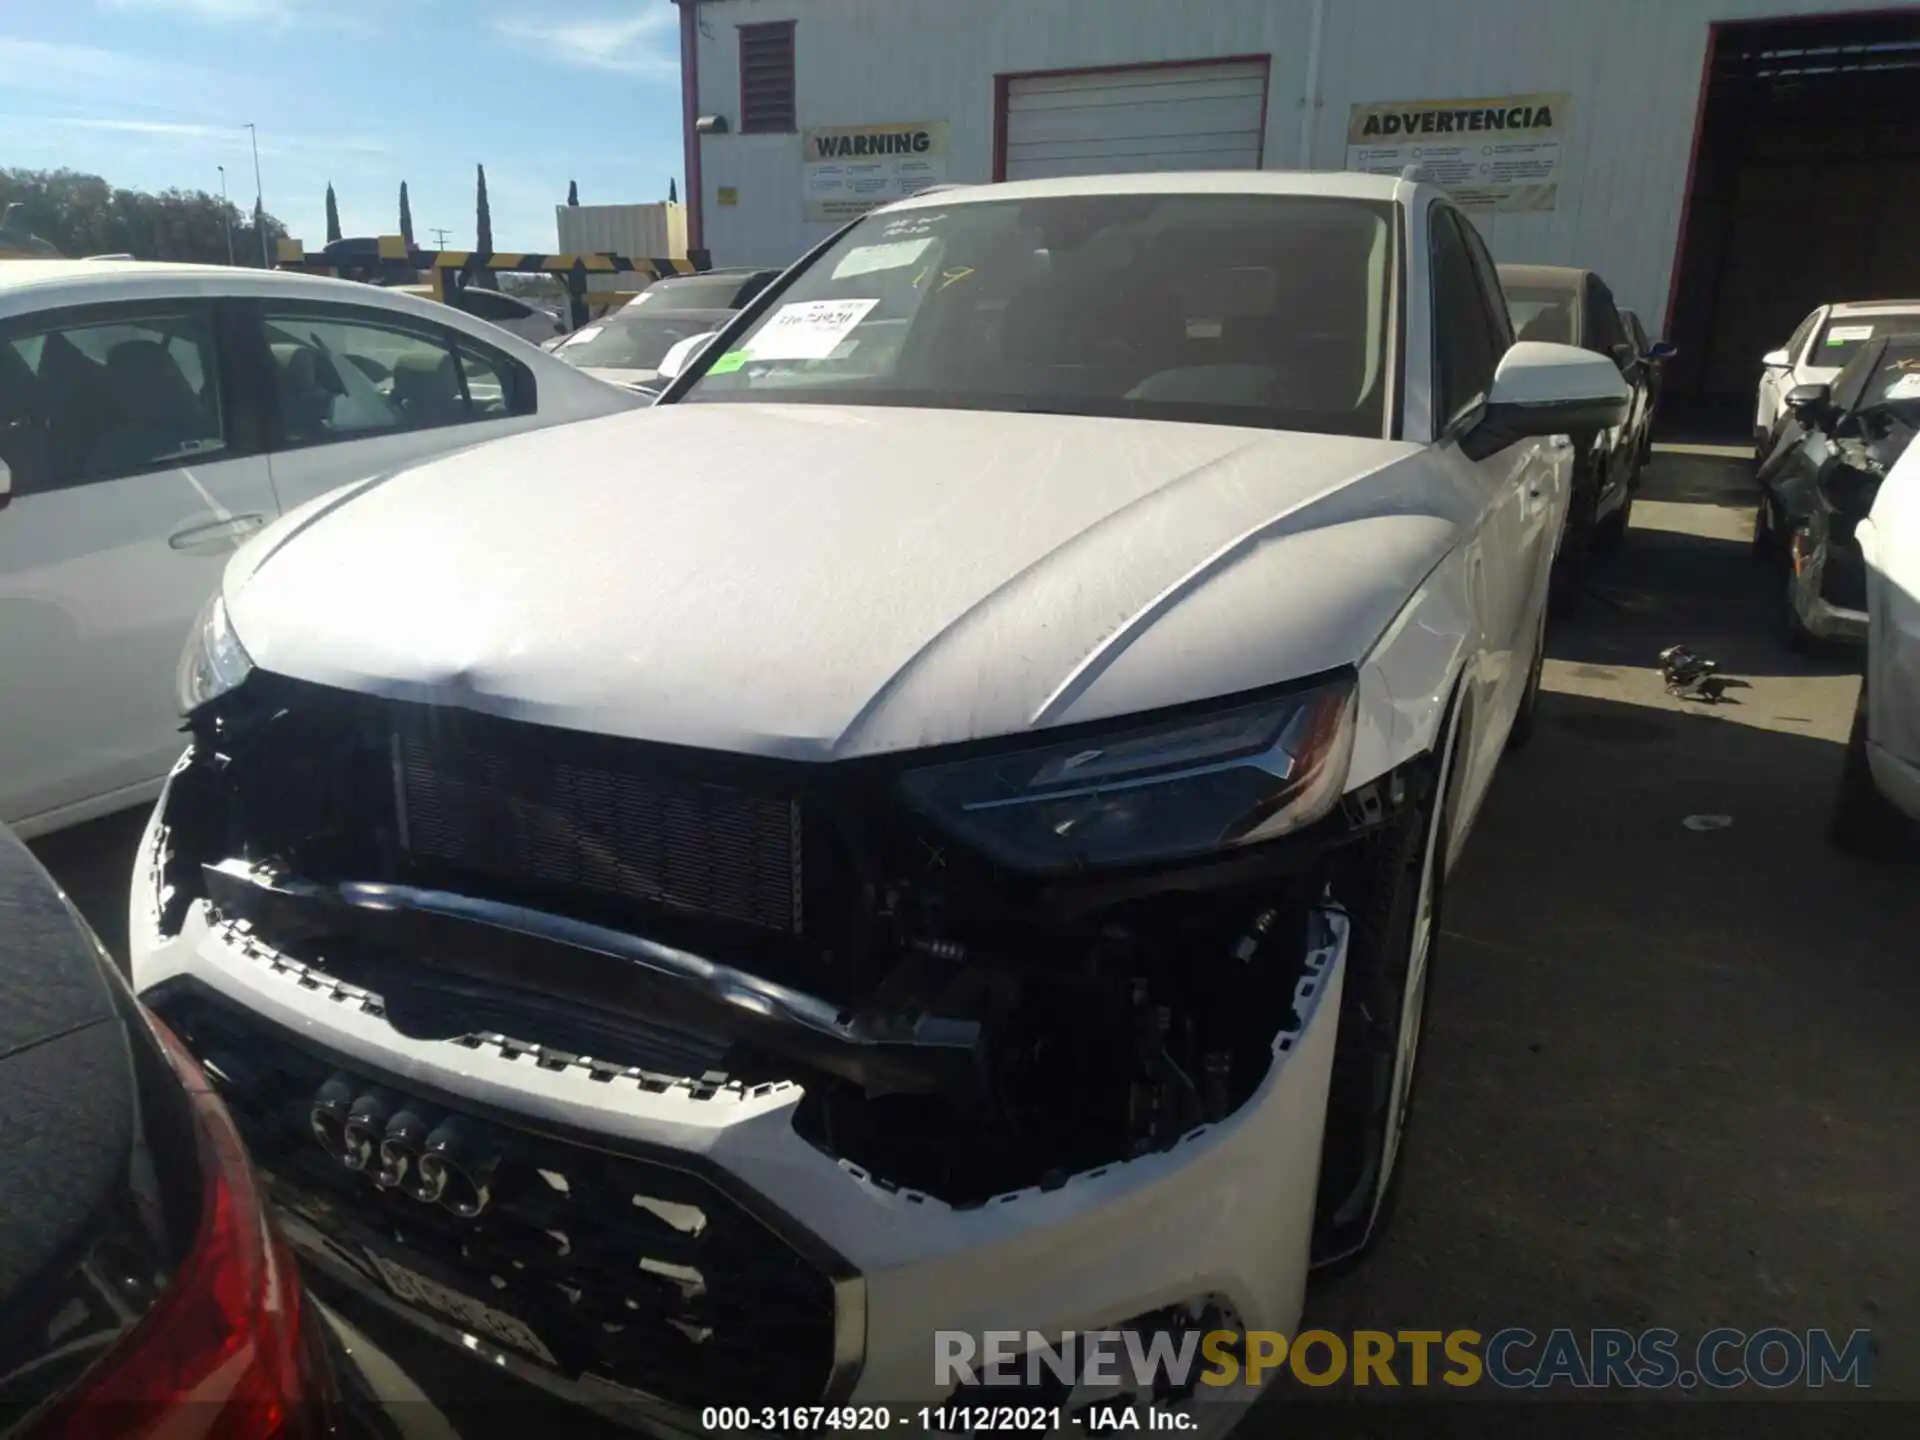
1814, 354
154, 416
1879, 805
941, 824
535, 324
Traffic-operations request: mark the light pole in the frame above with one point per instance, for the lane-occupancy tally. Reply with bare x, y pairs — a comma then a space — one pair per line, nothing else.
259, 199
226, 212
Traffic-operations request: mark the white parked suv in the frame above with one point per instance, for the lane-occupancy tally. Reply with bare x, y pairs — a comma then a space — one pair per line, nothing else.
152, 417
1814, 354
941, 824
1879, 805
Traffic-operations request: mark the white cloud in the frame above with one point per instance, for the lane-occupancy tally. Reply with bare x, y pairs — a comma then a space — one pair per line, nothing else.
85, 72
642, 41
277, 12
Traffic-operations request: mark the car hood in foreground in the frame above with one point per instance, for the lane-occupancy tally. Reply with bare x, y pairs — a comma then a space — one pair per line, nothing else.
816, 581
618, 375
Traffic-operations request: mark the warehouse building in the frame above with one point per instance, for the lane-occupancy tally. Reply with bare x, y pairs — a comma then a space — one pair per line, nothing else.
1726, 165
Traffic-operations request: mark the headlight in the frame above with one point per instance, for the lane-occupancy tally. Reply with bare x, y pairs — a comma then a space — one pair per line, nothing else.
1181, 787
214, 661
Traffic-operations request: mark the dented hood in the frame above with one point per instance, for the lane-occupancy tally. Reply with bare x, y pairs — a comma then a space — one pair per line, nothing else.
816, 582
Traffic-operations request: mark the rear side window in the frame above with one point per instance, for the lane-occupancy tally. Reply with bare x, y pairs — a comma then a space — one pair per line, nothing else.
349, 376
1608, 328
119, 392
1464, 353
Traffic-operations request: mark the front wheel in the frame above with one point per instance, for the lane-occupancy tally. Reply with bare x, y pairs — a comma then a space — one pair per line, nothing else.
1865, 823
1397, 882
1526, 718
1574, 563
1800, 640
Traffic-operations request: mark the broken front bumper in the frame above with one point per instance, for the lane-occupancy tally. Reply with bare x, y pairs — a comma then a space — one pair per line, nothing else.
1222, 1217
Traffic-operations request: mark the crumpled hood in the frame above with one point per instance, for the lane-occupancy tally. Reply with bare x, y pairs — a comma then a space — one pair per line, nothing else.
818, 582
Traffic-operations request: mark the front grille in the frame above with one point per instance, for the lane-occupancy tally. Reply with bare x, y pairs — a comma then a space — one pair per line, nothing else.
520, 810
635, 1271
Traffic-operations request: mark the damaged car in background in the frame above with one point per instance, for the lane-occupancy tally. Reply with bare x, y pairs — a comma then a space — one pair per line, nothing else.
970, 861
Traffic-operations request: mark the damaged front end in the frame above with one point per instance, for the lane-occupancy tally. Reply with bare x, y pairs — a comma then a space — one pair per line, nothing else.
987, 971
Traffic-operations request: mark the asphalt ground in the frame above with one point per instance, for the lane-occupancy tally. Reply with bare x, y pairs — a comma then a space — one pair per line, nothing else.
1670, 1076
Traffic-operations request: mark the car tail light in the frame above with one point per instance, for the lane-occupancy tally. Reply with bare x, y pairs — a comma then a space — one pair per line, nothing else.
220, 1356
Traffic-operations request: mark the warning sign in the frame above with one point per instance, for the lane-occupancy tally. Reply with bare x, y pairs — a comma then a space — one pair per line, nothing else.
1501, 153
846, 170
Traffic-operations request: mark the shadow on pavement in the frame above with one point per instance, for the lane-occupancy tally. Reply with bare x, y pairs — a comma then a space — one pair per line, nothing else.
1669, 587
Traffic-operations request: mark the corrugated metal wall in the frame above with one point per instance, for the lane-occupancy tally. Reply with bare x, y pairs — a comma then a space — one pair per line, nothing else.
1633, 68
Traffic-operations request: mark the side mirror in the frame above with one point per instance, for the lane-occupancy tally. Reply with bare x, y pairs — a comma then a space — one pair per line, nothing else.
1849, 492
1545, 389
1812, 405
675, 362
1661, 350
6, 484
1776, 360
1623, 354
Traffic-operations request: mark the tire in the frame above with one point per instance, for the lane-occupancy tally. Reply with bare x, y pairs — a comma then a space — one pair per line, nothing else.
1766, 545
1383, 1013
1574, 564
1800, 640
1611, 533
1865, 823
1526, 719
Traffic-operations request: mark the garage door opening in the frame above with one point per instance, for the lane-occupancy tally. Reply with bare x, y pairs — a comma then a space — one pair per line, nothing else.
1805, 189
1181, 115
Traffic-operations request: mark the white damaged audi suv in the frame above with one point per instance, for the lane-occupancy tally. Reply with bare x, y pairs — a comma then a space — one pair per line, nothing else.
938, 825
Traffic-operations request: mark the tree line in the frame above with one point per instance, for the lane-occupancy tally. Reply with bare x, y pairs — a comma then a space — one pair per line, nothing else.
80, 214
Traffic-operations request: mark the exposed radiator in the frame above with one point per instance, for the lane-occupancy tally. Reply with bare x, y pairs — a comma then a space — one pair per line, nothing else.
629, 830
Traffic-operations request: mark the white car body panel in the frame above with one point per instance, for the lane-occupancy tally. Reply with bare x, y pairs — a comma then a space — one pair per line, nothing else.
838, 582
99, 581
1890, 541
1123, 547
1803, 367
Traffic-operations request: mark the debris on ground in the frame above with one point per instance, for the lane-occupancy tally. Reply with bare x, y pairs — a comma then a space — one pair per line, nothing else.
1691, 676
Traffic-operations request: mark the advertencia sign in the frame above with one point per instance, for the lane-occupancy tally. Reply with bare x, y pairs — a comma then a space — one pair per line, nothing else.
1493, 154
846, 170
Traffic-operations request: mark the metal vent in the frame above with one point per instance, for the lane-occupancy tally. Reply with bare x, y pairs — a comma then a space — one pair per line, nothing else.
634, 1271
630, 831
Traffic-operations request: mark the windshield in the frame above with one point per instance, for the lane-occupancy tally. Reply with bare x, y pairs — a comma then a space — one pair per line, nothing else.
700, 292
1889, 380
1264, 310
1541, 314
628, 341
1844, 336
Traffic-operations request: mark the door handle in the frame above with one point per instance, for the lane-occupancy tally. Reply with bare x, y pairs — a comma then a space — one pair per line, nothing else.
234, 528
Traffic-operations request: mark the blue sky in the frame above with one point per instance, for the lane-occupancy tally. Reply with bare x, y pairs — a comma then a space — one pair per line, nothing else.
152, 94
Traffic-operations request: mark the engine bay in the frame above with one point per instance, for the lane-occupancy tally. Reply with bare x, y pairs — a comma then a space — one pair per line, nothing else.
957, 1030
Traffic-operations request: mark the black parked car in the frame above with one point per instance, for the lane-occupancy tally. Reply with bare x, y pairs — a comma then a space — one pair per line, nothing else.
1820, 481
1567, 306
143, 1290
1654, 355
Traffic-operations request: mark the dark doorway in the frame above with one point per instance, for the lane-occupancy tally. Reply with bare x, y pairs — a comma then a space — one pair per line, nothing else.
1806, 188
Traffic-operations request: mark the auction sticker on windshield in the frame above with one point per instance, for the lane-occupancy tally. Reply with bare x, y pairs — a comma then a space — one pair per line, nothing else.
895, 255
807, 329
